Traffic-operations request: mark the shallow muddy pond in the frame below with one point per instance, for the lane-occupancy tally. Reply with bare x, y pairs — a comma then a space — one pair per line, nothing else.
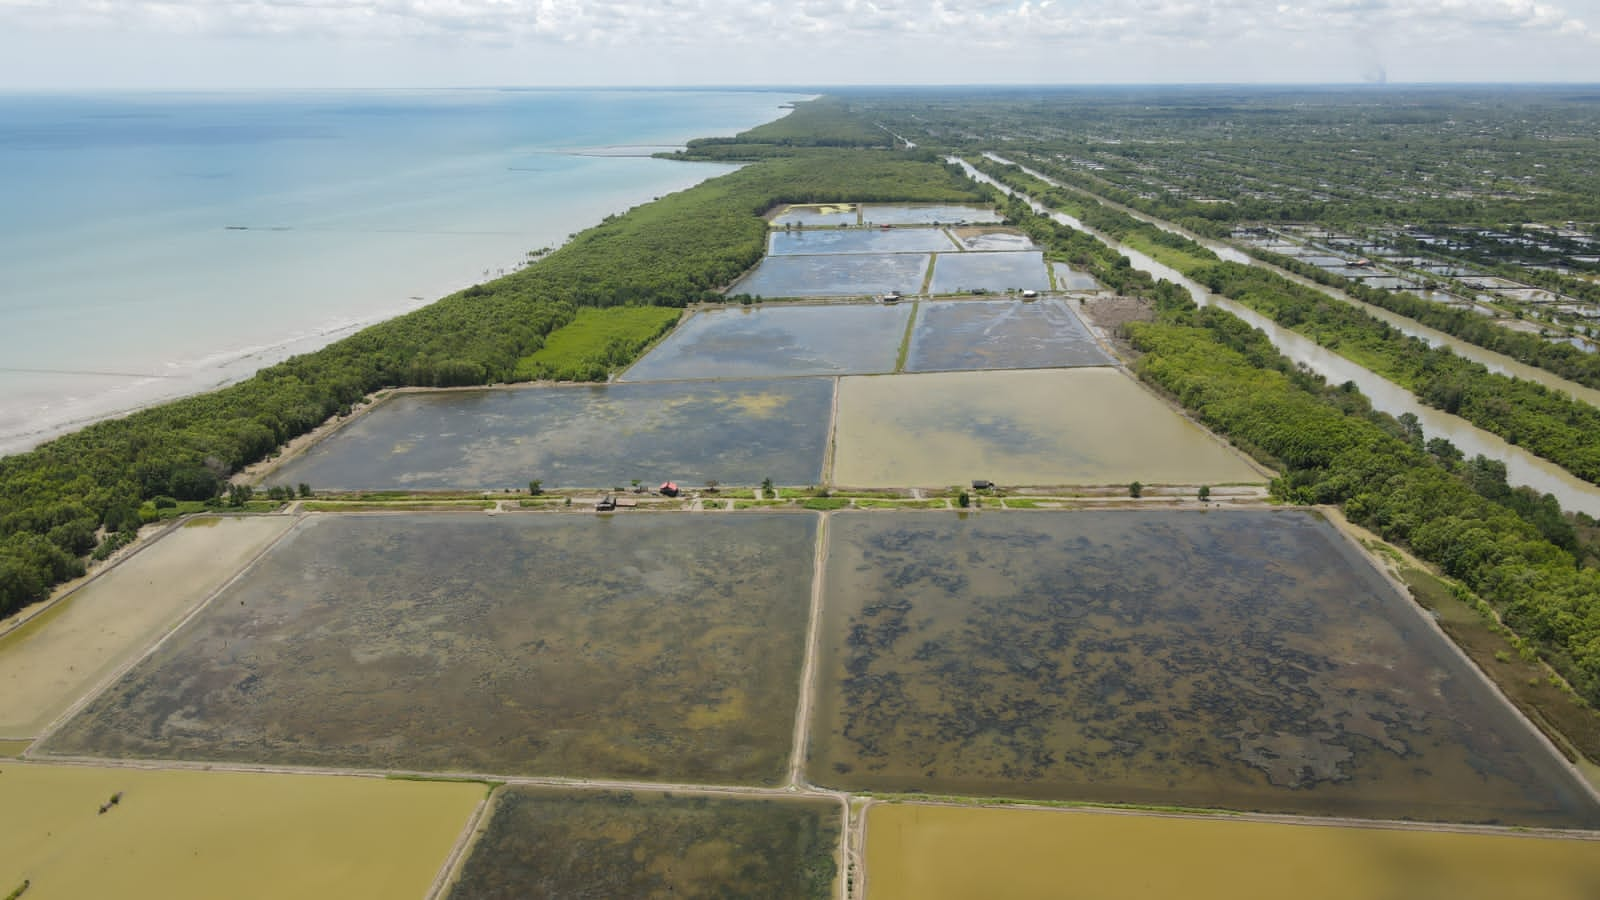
961, 273
993, 239
999, 334
53, 659
549, 644
917, 852
818, 215
1069, 279
925, 214
186, 835
1088, 426
837, 275
544, 843
861, 240
1246, 660
763, 341
585, 436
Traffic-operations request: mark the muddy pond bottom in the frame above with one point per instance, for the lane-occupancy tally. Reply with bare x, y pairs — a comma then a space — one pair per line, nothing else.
1250, 660
545, 843
537, 644
1088, 426
586, 436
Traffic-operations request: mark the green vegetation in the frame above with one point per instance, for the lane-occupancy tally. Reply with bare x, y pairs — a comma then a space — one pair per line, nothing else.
64, 498
596, 343
1559, 358
1544, 421
1333, 449
824, 122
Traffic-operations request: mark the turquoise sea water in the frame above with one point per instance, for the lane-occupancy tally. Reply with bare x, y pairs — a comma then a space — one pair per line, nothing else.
152, 245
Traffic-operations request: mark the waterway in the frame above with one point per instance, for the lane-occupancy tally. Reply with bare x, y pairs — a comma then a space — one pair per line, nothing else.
1522, 467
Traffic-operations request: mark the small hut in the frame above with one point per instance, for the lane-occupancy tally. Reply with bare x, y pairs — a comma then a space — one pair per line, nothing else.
668, 489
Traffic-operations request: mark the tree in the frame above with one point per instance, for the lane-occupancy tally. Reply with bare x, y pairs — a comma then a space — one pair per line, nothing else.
1135, 489
536, 487
1205, 492
766, 487
963, 500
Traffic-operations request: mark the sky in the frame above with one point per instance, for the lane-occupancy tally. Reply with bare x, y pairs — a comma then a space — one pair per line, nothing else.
197, 44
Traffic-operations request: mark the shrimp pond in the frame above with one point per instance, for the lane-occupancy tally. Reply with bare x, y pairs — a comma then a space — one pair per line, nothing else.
925, 852
1249, 660
591, 436
541, 843
789, 339
835, 275
581, 646
1086, 426
962, 273
176, 835
999, 334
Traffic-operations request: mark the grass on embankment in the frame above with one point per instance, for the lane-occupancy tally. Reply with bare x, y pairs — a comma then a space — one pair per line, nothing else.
595, 342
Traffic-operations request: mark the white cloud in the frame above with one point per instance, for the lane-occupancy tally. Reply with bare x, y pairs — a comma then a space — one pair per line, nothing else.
855, 39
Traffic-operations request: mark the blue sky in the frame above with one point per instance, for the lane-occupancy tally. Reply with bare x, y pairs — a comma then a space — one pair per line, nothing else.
55, 44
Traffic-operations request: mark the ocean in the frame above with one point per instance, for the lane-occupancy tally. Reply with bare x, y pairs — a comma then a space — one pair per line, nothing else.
155, 245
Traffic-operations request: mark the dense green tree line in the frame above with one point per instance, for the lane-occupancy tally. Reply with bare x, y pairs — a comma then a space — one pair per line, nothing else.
823, 122
1526, 413
1331, 449
1544, 421
1560, 359
61, 500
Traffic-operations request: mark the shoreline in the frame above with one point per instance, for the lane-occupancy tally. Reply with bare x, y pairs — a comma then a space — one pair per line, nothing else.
50, 405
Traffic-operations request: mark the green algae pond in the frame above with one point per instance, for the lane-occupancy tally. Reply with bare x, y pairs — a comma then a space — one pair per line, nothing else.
784, 339
1250, 660
1084, 426
546, 843
999, 334
537, 644
583, 436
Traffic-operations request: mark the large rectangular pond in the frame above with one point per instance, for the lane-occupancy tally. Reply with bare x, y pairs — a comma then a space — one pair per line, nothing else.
764, 341
546, 843
189, 835
999, 334
1088, 426
925, 214
598, 436
1242, 660
835, 275
961, 273
925, 852
653, 646
861, 240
